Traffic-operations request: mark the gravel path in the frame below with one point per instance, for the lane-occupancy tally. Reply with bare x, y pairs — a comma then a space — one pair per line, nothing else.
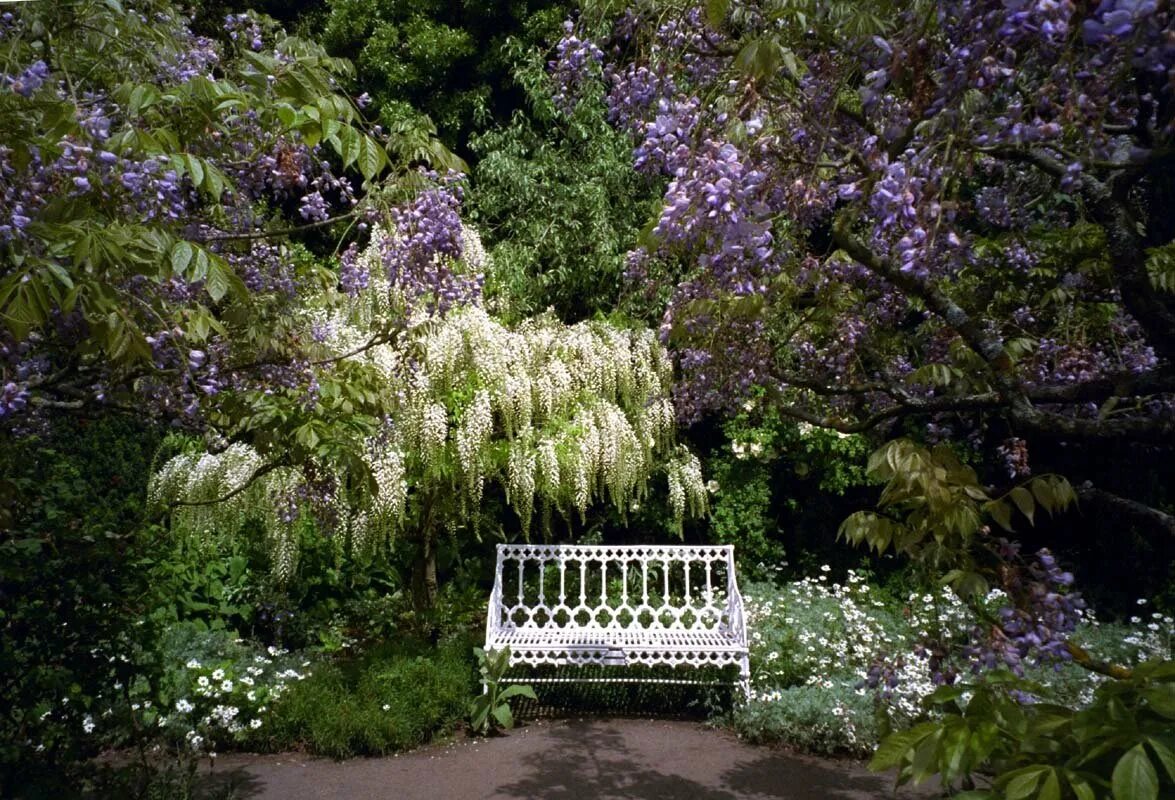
572, 758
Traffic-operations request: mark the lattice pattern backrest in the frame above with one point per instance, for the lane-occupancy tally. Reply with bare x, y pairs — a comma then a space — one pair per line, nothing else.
619, 587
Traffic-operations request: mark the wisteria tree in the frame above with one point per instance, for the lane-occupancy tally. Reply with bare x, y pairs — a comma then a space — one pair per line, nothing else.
948, 218
160, 191
558, 416
949, 213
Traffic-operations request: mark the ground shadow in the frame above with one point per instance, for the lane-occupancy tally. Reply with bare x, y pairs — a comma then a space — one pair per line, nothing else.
236, 783
589, 759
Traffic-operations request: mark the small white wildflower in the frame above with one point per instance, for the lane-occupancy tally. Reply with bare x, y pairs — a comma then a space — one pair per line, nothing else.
218, 675
255, 724
193, 664
88, 724
202, 681
183, 706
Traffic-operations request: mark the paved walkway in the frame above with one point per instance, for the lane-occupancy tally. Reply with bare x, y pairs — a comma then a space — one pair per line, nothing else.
557, 759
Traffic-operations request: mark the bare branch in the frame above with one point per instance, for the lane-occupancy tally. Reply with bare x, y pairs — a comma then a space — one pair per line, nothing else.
907, 407
1026, 418
223, 237
1124, 506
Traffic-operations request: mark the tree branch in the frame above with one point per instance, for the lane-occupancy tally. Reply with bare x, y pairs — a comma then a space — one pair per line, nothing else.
1125, 243
322, 223
261, 472
1124, 506
988, 345
1026, 418
1126, 384
906, 407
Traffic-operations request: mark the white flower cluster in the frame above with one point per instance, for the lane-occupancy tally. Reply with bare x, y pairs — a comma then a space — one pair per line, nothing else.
228, 701
583, 412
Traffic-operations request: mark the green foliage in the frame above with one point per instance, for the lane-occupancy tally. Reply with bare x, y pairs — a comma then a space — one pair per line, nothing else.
740, 513
1160, 266
438, 60
87, 250
933, 507
770, 465
491, 708
1121, 746
395, 698
558, 202
71, 503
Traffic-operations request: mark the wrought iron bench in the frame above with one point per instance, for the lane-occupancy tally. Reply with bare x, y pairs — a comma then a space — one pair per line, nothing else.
624, 605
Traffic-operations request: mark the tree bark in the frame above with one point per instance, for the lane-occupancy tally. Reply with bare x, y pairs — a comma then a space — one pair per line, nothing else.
424, 574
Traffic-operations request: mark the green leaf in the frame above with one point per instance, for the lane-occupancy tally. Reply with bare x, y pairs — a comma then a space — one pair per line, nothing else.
1135, 777
999, 511
518, 690
1080, 786
760, 58
1023, 500
1021, 783
893, 748
1051, 788
350, 145
504, 716
1164, 753
1161, 699
181, 257
195, 170
372, 157
716, 11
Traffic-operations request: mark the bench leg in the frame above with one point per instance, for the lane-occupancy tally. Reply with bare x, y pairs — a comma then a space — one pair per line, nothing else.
744, 675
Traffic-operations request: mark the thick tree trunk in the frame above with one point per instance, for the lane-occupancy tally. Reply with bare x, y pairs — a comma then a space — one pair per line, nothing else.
424, 574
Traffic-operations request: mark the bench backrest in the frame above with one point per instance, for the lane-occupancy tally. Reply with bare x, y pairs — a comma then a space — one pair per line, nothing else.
614, 587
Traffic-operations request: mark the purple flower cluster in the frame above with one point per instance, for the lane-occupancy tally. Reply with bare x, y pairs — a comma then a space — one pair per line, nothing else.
244, 28
577, 61
1116, 19
197, 58
420, 252
14, 398
1013, 451
353, 276
1047, 20
1036, 626
29, 81
633, 91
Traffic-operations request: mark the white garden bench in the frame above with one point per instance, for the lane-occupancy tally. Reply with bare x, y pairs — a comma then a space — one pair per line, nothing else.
618, 605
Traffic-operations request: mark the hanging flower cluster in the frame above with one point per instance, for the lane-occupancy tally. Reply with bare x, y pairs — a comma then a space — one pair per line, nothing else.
560, 416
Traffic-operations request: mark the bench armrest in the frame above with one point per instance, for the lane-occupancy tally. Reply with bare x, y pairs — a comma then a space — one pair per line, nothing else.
494, 610
734, 603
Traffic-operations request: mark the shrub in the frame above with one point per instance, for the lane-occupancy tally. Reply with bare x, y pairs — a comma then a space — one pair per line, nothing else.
814, 643
828, 717
395, 698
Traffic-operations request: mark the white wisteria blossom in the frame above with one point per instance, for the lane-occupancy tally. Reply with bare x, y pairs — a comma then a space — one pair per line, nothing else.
560, 416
